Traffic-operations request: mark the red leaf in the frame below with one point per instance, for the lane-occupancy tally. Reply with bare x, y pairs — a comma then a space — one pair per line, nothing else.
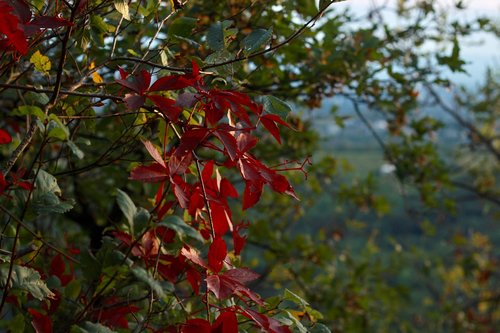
179, 187
171, 267
143, 81
167, 107
225, 285
4, 184
49, 22
226, 323
123, 73
57, 268
127, 239
246, 142
196, 69
191, 139
5, 138
214, 285
41, 323
194, 256
172, 82
10, 27
134, 101
227, 189
150, 243
196, 326
153, 173
272, 128
239, 240
265, 323
165, 234
208, 170
216, 254
242, 275
115, 316
252, 193
139, 84
179, 163
249, 169
22, 10
229, 142
221, 217
194, 279
154, 153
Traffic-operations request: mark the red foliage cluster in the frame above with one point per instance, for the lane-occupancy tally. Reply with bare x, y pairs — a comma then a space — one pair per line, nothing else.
229, 118
17, 24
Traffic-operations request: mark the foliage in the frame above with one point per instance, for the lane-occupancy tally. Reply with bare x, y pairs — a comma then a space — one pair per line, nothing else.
144, 172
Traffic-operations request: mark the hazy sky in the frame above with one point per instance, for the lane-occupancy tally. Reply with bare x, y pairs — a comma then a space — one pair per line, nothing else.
480, 51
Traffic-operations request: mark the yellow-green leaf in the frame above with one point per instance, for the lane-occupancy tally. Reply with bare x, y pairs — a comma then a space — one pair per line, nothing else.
122, 7
42, 63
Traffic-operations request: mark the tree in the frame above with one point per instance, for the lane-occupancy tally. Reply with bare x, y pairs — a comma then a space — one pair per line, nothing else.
138, 135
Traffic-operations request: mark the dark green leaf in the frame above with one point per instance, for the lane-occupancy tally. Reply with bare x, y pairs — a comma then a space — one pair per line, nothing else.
256, 39
183, 230
276, 106
27, 279
215, 37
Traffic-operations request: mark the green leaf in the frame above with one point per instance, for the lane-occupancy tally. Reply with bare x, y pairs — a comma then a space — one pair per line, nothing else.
17, 323
319, 328
256, 39
181, 228
215, 37
38, 98
313, 314
27, 279
57, 132
56, 128
47, 203
46, 195
182, 27
276, 106
29, 110
75, 149
122, 7
45, 182
158, 287
42, 63
294, 298
127, 207
89, 327
97, 23
296, 322
73, 289
141, 219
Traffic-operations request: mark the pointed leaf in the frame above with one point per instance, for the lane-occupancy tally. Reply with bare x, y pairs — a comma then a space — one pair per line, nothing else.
172, 82
153, 173
226, 323
134, 101
150, 147
256, 39
127, 207
216, 254
167, 107
122, 7
276, 106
